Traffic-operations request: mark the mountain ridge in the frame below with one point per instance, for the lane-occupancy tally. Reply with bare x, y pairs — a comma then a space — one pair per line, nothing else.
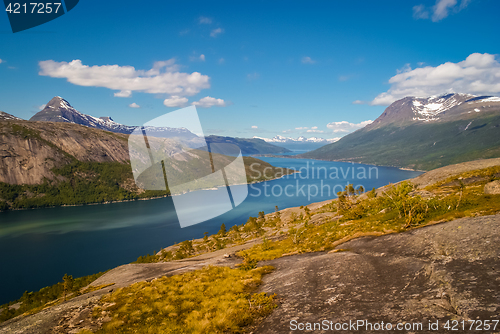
431, 133
60, 110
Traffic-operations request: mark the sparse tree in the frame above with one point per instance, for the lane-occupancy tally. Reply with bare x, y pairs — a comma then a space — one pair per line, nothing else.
67, 284
222, 230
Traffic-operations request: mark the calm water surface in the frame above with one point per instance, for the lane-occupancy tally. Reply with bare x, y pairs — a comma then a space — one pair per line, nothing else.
39, 246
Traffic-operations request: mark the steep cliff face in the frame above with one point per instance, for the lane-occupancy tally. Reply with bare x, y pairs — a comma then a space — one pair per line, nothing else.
29, 150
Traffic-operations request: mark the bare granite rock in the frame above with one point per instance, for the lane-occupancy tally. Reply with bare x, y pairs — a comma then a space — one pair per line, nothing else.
492, 188
437, 273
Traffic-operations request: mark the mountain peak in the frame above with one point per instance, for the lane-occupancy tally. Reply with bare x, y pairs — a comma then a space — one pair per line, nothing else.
425, 109
8, 117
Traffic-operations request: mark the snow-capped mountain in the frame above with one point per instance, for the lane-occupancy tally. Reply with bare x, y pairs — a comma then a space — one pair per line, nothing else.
298, 144
429, 109
424, 133
301, 139
7, 117
60, 110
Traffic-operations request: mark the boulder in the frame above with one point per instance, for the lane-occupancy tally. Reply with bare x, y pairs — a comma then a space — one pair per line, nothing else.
492, 188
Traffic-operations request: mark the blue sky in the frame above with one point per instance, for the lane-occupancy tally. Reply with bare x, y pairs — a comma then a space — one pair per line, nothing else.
260, 68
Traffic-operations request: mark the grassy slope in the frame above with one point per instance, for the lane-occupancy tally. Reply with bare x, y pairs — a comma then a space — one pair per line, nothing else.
422, 146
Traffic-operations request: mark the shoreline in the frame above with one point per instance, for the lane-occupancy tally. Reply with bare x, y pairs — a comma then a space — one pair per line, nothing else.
346, 161
138, 199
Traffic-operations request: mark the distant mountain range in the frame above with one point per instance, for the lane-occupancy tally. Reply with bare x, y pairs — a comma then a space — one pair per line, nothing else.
300, 143
249, 145
60, 110
423, 133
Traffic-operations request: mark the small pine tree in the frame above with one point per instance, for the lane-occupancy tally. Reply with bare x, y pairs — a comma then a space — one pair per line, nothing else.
222, 230
67, 284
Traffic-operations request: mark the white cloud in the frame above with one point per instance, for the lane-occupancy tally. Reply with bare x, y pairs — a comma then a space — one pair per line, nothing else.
478, 74
255, 127
253, 76
314, 127
175, 101
197, 58
302, 128
216, 32
222, 61
123, 93
316, 131
208, 102
358, 102
204, 20
163, 78
307, 60
134, 105
440, 10
1, 61
346, 126
419, 12
41, 107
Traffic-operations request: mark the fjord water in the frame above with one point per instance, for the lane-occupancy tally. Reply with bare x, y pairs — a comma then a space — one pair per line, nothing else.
39, 246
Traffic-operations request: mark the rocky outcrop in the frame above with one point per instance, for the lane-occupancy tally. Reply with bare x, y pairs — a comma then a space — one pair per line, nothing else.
436, 273
492, 188
29, 150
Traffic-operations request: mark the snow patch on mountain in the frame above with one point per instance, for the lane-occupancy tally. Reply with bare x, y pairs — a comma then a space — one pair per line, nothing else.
428, 109
8, 117
301, 139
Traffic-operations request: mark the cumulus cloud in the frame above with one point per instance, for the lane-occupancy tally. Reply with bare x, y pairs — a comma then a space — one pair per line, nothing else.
163, 78
216, 32
314, 128
255, 127
204, 20
134, 105
123, 93
477, 74
440, 10
316, 131
175, 101
347, 127
208, 102
307, 60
